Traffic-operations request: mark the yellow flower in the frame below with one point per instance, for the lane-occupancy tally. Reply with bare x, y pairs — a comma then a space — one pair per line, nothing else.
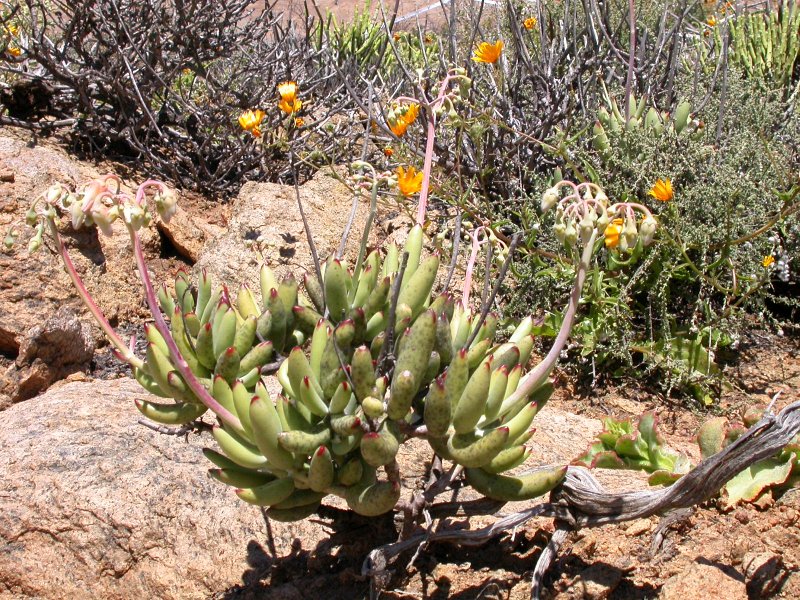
662, 190
388, 151
12, 29
299, 122
288, 90
711, 21
13, 51
613, 231
767, 261
289, 102
488, 53
290, 106
409, 182
250, 121
529, 23
407, 115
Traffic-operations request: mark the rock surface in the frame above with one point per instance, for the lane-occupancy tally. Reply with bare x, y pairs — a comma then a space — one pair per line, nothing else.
93, 505
265, 225
196, 220
34, 287
60, 346
597, 582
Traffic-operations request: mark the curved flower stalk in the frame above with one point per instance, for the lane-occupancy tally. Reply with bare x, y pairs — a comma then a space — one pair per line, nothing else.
477, 242
89, 209
443, 103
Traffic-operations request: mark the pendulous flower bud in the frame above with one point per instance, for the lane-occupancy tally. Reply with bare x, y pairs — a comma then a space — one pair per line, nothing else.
586, 228
560, 230
31, 217
55, 193
647, 230
570, 234
549, 199
630, 233
166, 204
602, 222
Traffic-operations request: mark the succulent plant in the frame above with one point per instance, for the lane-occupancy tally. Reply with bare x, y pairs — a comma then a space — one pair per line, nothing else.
760, 477
766, 45
621, 445
367, 357
226, 343
610, 126
373, 375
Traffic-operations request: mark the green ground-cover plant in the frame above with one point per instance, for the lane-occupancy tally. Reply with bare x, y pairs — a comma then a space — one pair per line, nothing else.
625, 445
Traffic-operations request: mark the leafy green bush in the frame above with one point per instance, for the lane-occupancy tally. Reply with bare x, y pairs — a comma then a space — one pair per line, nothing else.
729, 230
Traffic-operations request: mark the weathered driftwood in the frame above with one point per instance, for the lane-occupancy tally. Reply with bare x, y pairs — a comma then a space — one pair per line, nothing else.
580, 501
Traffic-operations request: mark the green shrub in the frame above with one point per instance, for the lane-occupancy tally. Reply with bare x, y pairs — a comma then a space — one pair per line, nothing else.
728, 233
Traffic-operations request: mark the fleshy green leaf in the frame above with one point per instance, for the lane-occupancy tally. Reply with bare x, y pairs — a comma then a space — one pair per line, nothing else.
750, 483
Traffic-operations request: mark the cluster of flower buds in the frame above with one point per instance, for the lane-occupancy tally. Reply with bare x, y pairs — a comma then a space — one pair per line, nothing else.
585, 213
363, 176
101, 202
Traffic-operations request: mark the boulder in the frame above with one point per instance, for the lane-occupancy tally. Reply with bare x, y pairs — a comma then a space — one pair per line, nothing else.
94, 505
60, 346
265, 225
35, 286
196, 220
